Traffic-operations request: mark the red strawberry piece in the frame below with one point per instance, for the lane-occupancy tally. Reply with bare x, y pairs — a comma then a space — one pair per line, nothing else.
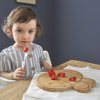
51, 72
61, 74
54, 77
25, 49
72, 79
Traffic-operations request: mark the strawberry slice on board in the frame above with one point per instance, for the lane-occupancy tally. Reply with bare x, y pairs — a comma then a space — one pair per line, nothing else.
54, 77
72, 79
51, 72
61, 74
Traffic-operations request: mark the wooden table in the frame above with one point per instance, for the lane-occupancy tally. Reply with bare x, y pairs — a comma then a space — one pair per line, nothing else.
15, 91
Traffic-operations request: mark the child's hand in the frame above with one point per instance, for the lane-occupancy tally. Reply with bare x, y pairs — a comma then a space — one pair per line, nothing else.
19, 74
47, 68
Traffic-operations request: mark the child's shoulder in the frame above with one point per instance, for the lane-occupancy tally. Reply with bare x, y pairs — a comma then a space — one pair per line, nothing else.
36, 45
7, 49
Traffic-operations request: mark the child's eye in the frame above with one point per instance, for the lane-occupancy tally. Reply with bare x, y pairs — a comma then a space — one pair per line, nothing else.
19, 30
31, 31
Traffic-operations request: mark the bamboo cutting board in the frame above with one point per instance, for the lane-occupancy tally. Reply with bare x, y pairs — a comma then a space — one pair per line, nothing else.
80, 83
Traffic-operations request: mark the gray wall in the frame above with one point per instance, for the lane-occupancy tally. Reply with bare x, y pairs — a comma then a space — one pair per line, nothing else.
76, 30
71, 28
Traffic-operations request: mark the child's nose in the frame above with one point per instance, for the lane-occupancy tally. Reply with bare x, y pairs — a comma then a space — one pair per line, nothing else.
25, 35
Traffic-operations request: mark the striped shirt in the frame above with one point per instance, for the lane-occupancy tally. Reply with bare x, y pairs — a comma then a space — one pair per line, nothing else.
11, 59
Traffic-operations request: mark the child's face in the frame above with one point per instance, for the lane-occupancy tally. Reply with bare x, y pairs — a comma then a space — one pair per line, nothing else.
24, 33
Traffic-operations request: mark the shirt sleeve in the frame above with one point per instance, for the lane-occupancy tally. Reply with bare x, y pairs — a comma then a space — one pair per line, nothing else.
42, 57
5, 63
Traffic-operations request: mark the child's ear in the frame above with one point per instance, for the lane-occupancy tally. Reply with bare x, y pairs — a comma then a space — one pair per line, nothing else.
9, 32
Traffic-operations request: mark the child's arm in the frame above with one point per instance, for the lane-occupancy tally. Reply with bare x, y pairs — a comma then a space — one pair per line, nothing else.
18, 74
46, 65
7, 75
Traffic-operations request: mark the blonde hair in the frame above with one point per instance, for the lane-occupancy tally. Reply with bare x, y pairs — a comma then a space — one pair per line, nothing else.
21, 14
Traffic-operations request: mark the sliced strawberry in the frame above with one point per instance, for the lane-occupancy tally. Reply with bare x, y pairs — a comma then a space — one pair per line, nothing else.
54, 77
51, 72
25, 49
72, 79
61, 74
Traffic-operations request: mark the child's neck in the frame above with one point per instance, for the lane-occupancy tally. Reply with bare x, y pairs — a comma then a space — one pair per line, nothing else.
21, 48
